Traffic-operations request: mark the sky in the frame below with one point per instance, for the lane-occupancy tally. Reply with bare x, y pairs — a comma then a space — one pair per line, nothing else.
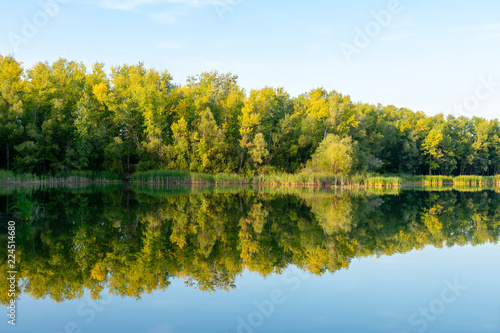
374, 295
431, 56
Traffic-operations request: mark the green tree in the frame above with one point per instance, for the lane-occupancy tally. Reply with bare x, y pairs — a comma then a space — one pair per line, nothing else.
11, 105
259, 152
178, 154
431, 147
334, 155
114, 154
209, 146
134, 93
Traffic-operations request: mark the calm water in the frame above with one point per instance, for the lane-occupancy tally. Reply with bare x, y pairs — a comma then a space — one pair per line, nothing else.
142, 259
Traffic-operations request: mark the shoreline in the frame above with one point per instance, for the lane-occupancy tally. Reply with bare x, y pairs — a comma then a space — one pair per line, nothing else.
259, 184
299, 180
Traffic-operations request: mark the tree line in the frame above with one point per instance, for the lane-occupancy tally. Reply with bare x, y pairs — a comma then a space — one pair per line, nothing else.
64, 117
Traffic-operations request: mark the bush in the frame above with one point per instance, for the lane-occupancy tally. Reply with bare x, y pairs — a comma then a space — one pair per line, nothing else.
334, 155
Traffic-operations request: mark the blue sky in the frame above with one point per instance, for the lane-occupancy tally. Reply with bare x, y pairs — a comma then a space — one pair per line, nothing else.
421, 54
374, 295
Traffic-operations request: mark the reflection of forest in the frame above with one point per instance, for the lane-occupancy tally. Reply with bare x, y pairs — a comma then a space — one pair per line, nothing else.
135, 242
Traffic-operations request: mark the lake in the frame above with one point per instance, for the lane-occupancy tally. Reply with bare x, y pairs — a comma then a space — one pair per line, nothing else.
174, 259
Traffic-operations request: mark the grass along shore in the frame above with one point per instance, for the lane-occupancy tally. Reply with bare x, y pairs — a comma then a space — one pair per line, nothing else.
315, 180
283, 179
450, 180
279, 179
10, 177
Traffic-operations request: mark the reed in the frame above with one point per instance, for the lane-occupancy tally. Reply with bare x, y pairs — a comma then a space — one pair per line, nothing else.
83, 177
384, 181
273, 180
449, 180
24, 208
429, 180
276, 179
10, 177
472, 180
171, 177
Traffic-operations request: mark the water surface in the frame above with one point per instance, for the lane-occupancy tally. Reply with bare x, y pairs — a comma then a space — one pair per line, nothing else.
152, 259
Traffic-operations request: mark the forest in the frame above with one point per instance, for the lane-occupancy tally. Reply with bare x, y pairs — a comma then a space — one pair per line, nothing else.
64, 117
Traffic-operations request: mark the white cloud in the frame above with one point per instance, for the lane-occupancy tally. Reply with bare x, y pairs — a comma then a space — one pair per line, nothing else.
173, 8
401, 23
393, 37
123, 5
169, 16
324, 32
483, 27
484, 33
135, 4
489, 27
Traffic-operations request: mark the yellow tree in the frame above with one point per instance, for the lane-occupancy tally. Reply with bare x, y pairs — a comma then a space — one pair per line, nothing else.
249, 120
431, 146
334, 155
11, 106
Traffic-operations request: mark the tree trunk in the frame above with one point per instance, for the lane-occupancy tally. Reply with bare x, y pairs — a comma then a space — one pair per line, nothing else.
242, 155
128, 154
430, 165
138, 144
270, 139
8, 155
128, 208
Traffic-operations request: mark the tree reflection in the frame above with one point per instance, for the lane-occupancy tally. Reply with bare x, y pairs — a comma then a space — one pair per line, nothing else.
136, 242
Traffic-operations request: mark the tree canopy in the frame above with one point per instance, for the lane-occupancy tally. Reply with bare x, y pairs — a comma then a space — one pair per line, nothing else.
64, 117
